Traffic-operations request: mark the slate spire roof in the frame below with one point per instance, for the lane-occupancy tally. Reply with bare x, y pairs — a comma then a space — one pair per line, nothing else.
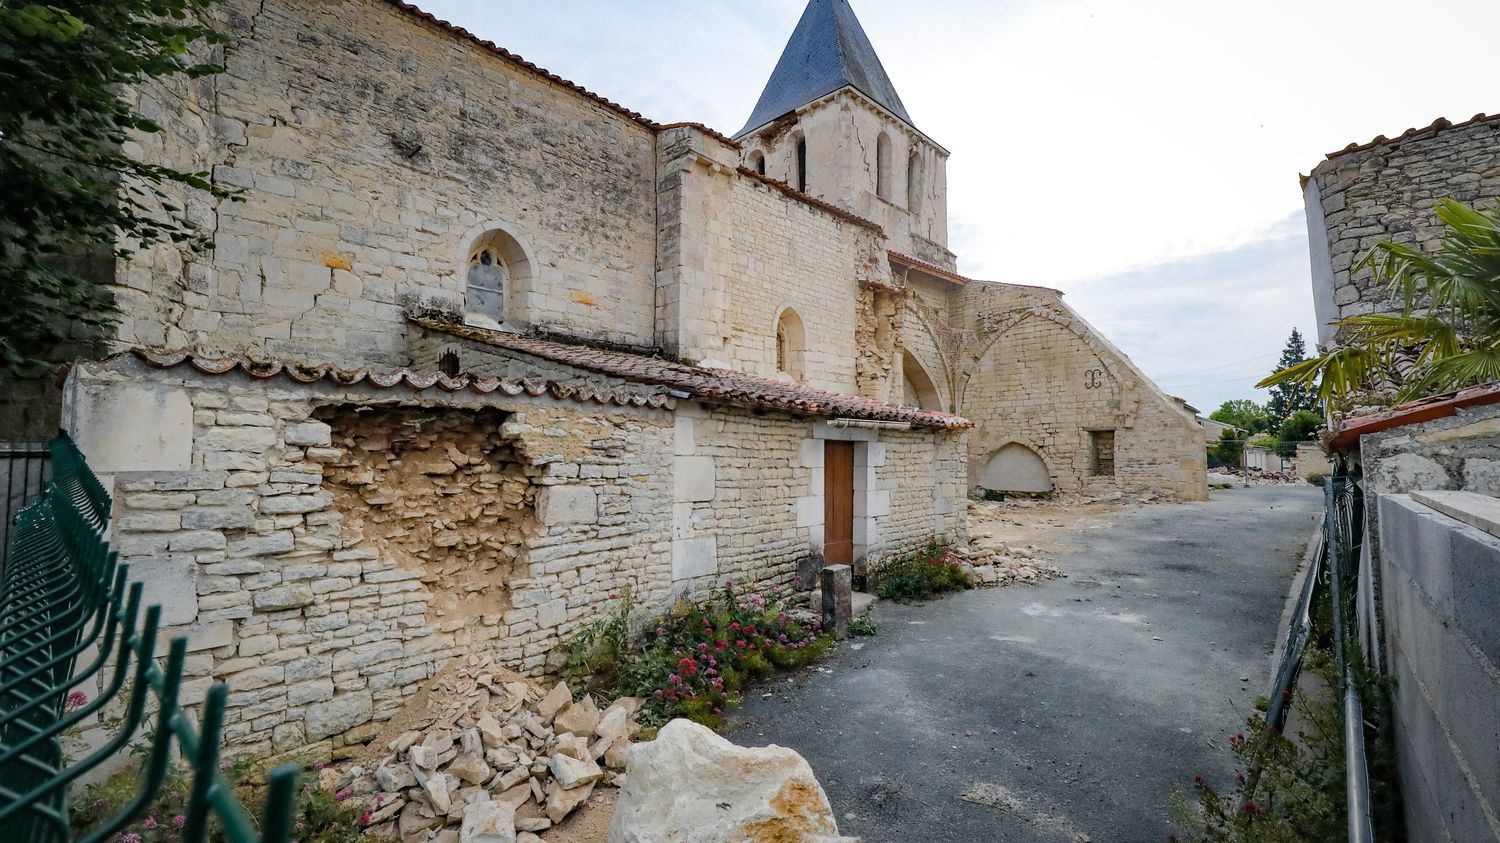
827, 51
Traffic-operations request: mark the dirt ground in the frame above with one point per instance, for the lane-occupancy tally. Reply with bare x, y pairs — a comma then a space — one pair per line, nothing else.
1042, 523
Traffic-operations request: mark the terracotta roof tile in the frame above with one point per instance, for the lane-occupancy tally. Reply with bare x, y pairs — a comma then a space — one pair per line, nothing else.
393, 378
950, 275
717, 385
716, 135
1434, 127
1421, 410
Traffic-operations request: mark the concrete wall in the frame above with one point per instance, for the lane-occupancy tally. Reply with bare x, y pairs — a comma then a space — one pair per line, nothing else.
374, 148
1440, 578
1387, 192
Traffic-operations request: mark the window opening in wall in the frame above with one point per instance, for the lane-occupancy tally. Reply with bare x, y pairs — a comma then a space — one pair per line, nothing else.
497, 268
883, 166
913, 182
448, 363
1102, 453
758, 162
802, 164
790, 344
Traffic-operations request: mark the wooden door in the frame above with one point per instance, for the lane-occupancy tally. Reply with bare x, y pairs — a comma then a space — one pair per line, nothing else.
838, 503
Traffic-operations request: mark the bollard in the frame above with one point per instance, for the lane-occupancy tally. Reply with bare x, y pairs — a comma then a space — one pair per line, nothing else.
838, 607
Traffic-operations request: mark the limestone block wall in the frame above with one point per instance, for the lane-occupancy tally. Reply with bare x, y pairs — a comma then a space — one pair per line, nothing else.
326, 561
749, 493
1387, 191
1036, 374
373, 149
842, 131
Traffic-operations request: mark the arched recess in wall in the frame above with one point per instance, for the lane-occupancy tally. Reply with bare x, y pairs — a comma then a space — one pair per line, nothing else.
923, 343
758, 162
497, 270
1109, 379
914, 181
1013, 467
883, 166
791, 344
919, 389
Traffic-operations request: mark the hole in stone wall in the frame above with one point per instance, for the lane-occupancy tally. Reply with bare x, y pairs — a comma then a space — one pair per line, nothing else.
437, 491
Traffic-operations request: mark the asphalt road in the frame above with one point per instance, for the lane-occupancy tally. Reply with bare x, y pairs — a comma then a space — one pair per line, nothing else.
1061, 712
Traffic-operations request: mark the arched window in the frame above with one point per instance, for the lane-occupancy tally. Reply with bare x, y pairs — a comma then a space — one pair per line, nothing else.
1015, 468
497, 265
883, 166
791, 343
914, 182
758, 162
802, 164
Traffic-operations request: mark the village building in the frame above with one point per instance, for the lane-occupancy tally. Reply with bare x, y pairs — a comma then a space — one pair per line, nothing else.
477, 350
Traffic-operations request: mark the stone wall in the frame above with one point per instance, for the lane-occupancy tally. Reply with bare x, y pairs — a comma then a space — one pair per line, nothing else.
1038, 375
326, 548
1387, 191
374, 149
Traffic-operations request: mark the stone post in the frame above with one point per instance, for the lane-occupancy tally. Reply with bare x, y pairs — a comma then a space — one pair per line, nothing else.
838, 606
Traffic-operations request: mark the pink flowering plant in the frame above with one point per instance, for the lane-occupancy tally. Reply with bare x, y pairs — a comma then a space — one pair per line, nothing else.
697, 661
319, 815
932, 570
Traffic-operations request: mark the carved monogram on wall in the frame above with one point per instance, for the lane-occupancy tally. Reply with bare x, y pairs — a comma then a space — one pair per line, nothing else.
1093, 379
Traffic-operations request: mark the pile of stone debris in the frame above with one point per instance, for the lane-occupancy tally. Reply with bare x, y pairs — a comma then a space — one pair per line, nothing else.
484, 756
992, 562
1257, 477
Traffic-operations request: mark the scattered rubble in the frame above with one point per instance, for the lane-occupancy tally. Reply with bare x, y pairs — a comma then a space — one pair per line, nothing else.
991, 562
1257, 477
487, 757
692, 786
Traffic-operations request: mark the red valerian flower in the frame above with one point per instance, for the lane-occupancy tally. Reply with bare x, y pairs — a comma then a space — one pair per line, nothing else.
1250, 808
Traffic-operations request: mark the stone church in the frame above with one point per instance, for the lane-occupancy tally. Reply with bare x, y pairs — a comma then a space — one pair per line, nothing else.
476, 348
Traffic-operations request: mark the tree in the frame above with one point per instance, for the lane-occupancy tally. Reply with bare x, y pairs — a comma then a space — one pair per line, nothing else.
69, 189
1243, 414
1229, 449
1448, 328
1300, 426
1288, 398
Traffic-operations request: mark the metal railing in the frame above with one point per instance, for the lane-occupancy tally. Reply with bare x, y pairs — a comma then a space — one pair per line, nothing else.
68, 618
24, 470
1343, 537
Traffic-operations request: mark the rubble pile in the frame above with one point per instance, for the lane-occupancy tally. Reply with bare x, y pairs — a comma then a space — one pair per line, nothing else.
490, 758
1257, 477
991, 562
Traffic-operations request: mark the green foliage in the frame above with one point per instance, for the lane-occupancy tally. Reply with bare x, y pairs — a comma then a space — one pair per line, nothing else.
1229, 449
864, 625
1449, 324
1291, 397
697, 661
932, 570
318, 816
1243, 414
1316, 478
70, 188
1301, 426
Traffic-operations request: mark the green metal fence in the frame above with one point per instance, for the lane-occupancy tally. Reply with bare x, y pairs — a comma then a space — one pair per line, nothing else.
71, 622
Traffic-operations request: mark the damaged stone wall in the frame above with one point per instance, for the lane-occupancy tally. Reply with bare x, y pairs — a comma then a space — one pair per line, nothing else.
283, 533
1036, 373
440, 493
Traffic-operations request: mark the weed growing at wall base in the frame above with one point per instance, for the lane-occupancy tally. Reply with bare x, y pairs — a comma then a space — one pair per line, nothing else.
932, 570
696, 661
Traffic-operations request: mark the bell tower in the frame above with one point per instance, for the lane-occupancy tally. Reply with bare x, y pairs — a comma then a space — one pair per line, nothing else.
830, 124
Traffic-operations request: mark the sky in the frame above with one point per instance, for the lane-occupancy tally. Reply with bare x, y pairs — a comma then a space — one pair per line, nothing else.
1142, 156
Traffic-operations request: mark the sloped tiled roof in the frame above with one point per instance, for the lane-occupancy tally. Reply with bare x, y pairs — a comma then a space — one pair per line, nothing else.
717, 385
1434, 127
1421, 410
396, 378
827, 51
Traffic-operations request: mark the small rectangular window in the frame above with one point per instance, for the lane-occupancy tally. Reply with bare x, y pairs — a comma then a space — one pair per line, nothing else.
1102, 453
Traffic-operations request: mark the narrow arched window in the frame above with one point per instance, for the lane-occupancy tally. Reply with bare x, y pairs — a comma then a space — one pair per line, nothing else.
496, 265
758, 162
914, 182
791, 344
883, 166
802, 164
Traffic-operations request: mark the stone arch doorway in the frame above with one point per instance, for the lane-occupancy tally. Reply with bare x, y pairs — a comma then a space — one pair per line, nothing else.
1013, 467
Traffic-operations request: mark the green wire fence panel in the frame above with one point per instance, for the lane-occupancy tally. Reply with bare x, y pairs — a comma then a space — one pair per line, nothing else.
70, 621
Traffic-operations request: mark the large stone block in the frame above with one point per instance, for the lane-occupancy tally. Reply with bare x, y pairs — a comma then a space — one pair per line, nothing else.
338, 714
695, 557
693, 479
125, 427
567, 505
